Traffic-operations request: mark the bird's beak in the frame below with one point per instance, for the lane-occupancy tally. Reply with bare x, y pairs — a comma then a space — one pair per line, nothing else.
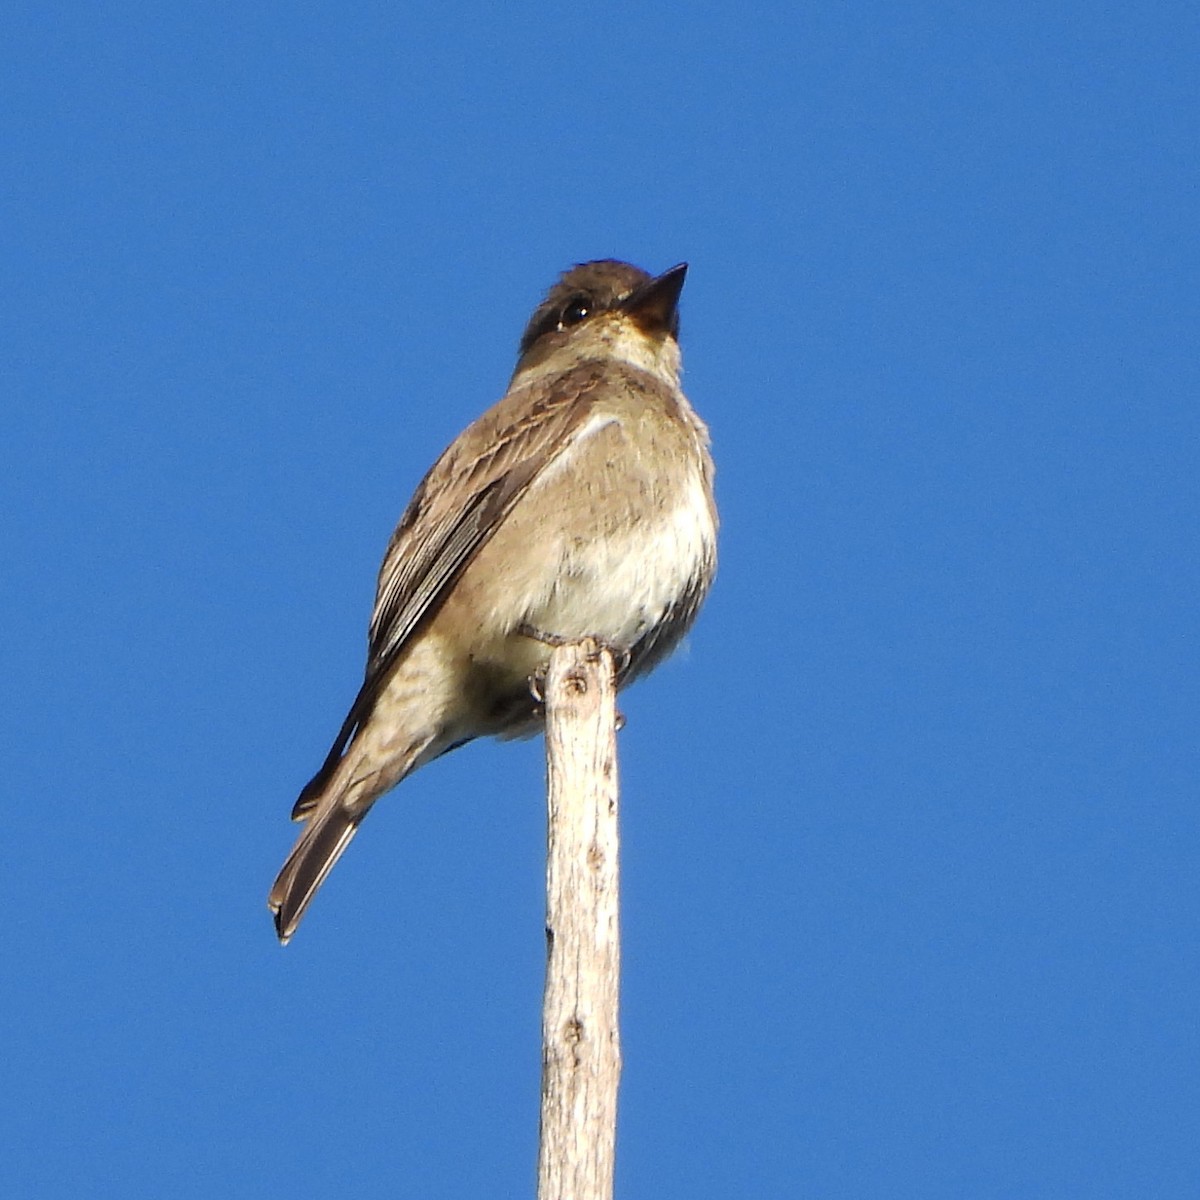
654, 304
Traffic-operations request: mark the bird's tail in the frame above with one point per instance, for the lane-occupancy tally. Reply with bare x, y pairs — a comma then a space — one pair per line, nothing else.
326, 835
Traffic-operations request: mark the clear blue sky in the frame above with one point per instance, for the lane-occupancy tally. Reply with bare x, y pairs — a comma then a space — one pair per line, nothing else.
910, 827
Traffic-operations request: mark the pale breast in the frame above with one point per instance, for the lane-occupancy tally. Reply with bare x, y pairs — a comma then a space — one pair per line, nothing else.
619, 585
619, 528
609, 541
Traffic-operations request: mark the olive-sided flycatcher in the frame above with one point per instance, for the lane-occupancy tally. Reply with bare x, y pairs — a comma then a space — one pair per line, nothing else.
580, 505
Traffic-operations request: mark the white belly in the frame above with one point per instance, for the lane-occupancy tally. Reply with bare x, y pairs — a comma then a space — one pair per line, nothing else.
617, 586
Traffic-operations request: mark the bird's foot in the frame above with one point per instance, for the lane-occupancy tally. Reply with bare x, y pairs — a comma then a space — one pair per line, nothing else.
620, 654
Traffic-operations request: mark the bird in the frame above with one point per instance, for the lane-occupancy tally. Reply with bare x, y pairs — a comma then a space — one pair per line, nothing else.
580, 505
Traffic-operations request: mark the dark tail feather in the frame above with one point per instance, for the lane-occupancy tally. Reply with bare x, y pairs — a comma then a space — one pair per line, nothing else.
321, 844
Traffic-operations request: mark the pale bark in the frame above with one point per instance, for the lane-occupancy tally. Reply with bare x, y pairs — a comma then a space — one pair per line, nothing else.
581, 1050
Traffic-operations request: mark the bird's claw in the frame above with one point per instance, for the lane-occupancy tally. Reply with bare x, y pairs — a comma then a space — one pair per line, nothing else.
621, 655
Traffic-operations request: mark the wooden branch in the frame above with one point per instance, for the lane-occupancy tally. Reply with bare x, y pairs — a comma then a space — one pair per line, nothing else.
581, 1048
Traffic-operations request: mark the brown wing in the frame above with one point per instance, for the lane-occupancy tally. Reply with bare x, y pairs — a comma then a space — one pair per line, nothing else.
456, 508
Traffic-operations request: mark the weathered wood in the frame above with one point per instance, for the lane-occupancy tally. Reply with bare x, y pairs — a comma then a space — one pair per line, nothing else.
581, 1050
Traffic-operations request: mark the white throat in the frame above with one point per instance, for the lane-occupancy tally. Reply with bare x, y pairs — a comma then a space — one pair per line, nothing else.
612, 335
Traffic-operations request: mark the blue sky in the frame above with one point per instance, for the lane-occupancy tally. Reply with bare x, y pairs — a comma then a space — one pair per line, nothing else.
909, 827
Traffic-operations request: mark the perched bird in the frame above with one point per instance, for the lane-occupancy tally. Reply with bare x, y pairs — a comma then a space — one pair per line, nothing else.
579, 505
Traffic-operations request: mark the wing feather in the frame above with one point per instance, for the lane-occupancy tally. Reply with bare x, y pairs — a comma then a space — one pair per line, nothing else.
455, 510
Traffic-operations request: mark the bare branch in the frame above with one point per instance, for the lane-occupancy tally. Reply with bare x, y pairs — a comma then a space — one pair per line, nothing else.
581, 1051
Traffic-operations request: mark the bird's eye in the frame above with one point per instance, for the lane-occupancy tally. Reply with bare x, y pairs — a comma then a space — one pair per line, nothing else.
575, 310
